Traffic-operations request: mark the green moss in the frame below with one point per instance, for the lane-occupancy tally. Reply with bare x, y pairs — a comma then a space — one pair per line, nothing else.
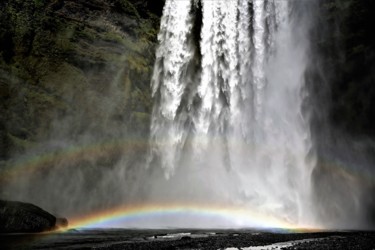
87, 33
141, 100
97, 46
133, 46
93, 55
63, 62
138, 64
66, 81
19, 143
112, 37
63, 38
141, 121
140, 116
127, 89
148, 32
126, 7
38, 3
42, 101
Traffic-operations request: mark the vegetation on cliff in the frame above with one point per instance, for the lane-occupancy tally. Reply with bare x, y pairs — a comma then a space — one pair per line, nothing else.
65, 61
74, 97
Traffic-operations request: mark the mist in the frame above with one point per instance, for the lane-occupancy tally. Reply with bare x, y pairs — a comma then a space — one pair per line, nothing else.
227, 115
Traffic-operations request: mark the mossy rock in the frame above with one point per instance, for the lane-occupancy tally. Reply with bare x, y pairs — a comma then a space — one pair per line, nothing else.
141, 121
22, 145
126, 7
64, 61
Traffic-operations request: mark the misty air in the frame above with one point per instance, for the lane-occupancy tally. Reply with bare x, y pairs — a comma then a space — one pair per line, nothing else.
187, 124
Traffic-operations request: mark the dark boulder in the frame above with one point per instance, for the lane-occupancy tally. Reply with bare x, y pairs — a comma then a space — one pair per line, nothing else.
18, 217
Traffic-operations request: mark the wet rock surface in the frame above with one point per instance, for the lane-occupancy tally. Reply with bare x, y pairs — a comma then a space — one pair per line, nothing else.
73, 74
18, 217
196, 239
58, 55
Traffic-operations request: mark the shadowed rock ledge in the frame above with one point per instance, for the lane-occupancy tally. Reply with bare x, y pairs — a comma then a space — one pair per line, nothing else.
19, 217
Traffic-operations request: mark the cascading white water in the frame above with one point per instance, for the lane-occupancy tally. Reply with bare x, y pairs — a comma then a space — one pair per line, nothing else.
231, 128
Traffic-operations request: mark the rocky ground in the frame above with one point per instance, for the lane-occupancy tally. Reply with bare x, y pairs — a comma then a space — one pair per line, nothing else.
190, 239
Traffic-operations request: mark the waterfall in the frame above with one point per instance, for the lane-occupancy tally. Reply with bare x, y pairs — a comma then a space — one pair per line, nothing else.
227, 123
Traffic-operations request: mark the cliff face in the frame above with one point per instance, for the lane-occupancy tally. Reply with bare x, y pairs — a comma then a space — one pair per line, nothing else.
70, 69
67, 61
346, 48
341, 80
74, 99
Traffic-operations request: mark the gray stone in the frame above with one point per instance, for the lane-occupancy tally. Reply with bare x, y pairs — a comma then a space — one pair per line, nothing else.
19, 217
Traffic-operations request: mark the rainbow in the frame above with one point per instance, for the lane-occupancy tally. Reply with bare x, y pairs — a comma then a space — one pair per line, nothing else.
75, 154
127, 216
70, 156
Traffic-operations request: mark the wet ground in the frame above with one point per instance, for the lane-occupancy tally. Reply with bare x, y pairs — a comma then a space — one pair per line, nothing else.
189, 239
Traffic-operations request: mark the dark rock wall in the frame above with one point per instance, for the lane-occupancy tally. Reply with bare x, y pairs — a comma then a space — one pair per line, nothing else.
341, 79
62, 62
349, 52
74, 98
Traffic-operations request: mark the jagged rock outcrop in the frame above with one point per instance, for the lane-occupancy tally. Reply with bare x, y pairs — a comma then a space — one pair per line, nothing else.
18, 217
